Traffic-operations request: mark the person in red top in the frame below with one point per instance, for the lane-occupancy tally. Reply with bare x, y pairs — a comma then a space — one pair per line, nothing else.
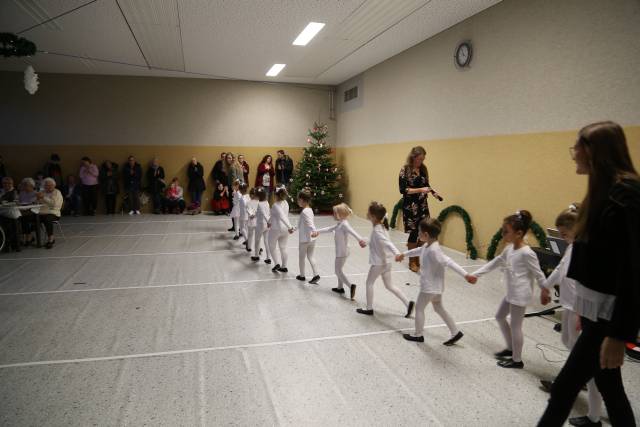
265, 176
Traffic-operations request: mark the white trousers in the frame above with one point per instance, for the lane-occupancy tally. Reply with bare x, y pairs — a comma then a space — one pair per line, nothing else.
250, 233
305, 250
376, 271
424, 299
512, 333
261, 235
342, 278
278, 238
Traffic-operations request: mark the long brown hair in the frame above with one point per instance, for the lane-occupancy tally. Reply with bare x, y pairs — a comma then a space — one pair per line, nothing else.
605, 146
408, 166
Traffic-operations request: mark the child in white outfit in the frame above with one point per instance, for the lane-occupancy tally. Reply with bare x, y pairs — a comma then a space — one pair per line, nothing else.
235, 211
521, 269
252, 210
379, 246
263, 215
570, 319
306, 243
279, 230
342, 229
432, 264
242, 207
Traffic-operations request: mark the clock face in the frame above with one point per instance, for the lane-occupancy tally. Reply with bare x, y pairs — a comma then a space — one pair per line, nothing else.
463, 54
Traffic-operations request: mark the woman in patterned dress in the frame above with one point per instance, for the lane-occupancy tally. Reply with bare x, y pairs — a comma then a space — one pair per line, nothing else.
414, 187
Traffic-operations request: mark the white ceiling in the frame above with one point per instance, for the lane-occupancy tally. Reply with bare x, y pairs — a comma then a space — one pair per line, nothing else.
238, 39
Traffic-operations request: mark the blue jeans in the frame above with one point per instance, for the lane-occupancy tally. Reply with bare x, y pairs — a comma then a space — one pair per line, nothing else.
196, 196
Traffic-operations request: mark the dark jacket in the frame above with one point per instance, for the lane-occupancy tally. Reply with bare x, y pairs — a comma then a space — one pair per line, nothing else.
609, 262
132, 176
284, 170
196, 177
9, 196
109, 183
217, 173
155, 179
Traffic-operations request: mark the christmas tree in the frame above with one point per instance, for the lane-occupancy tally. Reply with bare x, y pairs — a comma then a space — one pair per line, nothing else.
317, 171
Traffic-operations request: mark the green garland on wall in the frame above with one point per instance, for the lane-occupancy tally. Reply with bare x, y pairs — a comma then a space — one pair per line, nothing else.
537, 231
471, 249
394, 216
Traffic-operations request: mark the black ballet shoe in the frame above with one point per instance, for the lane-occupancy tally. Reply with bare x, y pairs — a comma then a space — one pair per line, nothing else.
353, 292
49, 245
236, 237
276, 268
410, 309
283, 270
260, 251
248, 249
510, 364
451, 341
584, 421
267, 261
255, 258
314, 280
232, 229
301, 278
338, 290
244, 243
545, 385
410, 337
365, 311
504, 354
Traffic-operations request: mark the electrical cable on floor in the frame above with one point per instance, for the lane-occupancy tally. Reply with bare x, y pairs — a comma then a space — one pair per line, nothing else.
542, 347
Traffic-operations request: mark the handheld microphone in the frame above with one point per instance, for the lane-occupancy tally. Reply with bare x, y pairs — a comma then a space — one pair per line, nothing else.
436, 195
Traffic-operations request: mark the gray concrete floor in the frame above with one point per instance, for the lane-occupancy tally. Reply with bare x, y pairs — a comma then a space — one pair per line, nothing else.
164, 320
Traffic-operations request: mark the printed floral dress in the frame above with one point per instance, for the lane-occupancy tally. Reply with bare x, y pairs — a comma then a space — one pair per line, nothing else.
414, 206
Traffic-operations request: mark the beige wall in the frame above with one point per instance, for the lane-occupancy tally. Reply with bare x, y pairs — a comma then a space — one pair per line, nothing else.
118, 110
497, 135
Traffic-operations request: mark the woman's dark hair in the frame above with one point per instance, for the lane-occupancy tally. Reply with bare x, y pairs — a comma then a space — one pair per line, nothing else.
243, 188
304, 195
261, 194
379, 212
264, 159
252, 192
520, 221
86, 159
431, 226
605, 146
408, 166
568, 217
281, 193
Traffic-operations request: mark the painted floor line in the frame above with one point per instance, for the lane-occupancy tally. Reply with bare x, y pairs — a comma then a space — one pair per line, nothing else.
228, 347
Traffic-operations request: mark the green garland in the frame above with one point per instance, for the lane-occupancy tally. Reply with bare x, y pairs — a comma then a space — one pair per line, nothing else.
471, 249
537, 231
394, 217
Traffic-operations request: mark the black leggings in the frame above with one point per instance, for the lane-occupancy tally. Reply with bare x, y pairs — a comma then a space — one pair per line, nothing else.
582, 365
413, 236
47, 220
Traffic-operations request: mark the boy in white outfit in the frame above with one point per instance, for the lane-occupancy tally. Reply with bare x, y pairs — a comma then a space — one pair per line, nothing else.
307, 243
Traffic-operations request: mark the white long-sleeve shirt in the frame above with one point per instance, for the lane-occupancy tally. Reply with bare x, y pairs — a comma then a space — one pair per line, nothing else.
341, 231
567, 285
306, 226
252, 211
521, 269
432, 264
235, 211
244, 200
380, 245
280, 216
263, 214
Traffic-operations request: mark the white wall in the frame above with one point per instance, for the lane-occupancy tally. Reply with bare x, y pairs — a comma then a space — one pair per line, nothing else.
107, 110
538, 66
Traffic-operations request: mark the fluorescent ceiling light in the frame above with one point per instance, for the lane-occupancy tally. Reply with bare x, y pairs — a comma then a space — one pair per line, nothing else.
275, 70
308, 33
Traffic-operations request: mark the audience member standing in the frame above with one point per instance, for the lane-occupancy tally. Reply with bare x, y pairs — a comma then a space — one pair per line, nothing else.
265, 176
196, 182
110, 186
155, 180
217, 173
284, 168
132, 176
89, 178
53, 170
245, 168
72, 198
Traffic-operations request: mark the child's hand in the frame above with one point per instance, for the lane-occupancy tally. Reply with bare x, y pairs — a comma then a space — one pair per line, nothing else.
399, 258
314, 234
545, 297
471, 279
268, 225
291, 230
363, 244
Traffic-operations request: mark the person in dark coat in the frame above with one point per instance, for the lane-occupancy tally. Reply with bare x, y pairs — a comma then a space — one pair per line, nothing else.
109, 185
284, 168
9, 217
196, 181
217, 173
604, 264
156, 183
132, 178
53, 170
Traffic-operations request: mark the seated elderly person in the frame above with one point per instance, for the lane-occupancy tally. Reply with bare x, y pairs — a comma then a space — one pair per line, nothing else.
9, 216
173, 200
51, 200
27, 196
